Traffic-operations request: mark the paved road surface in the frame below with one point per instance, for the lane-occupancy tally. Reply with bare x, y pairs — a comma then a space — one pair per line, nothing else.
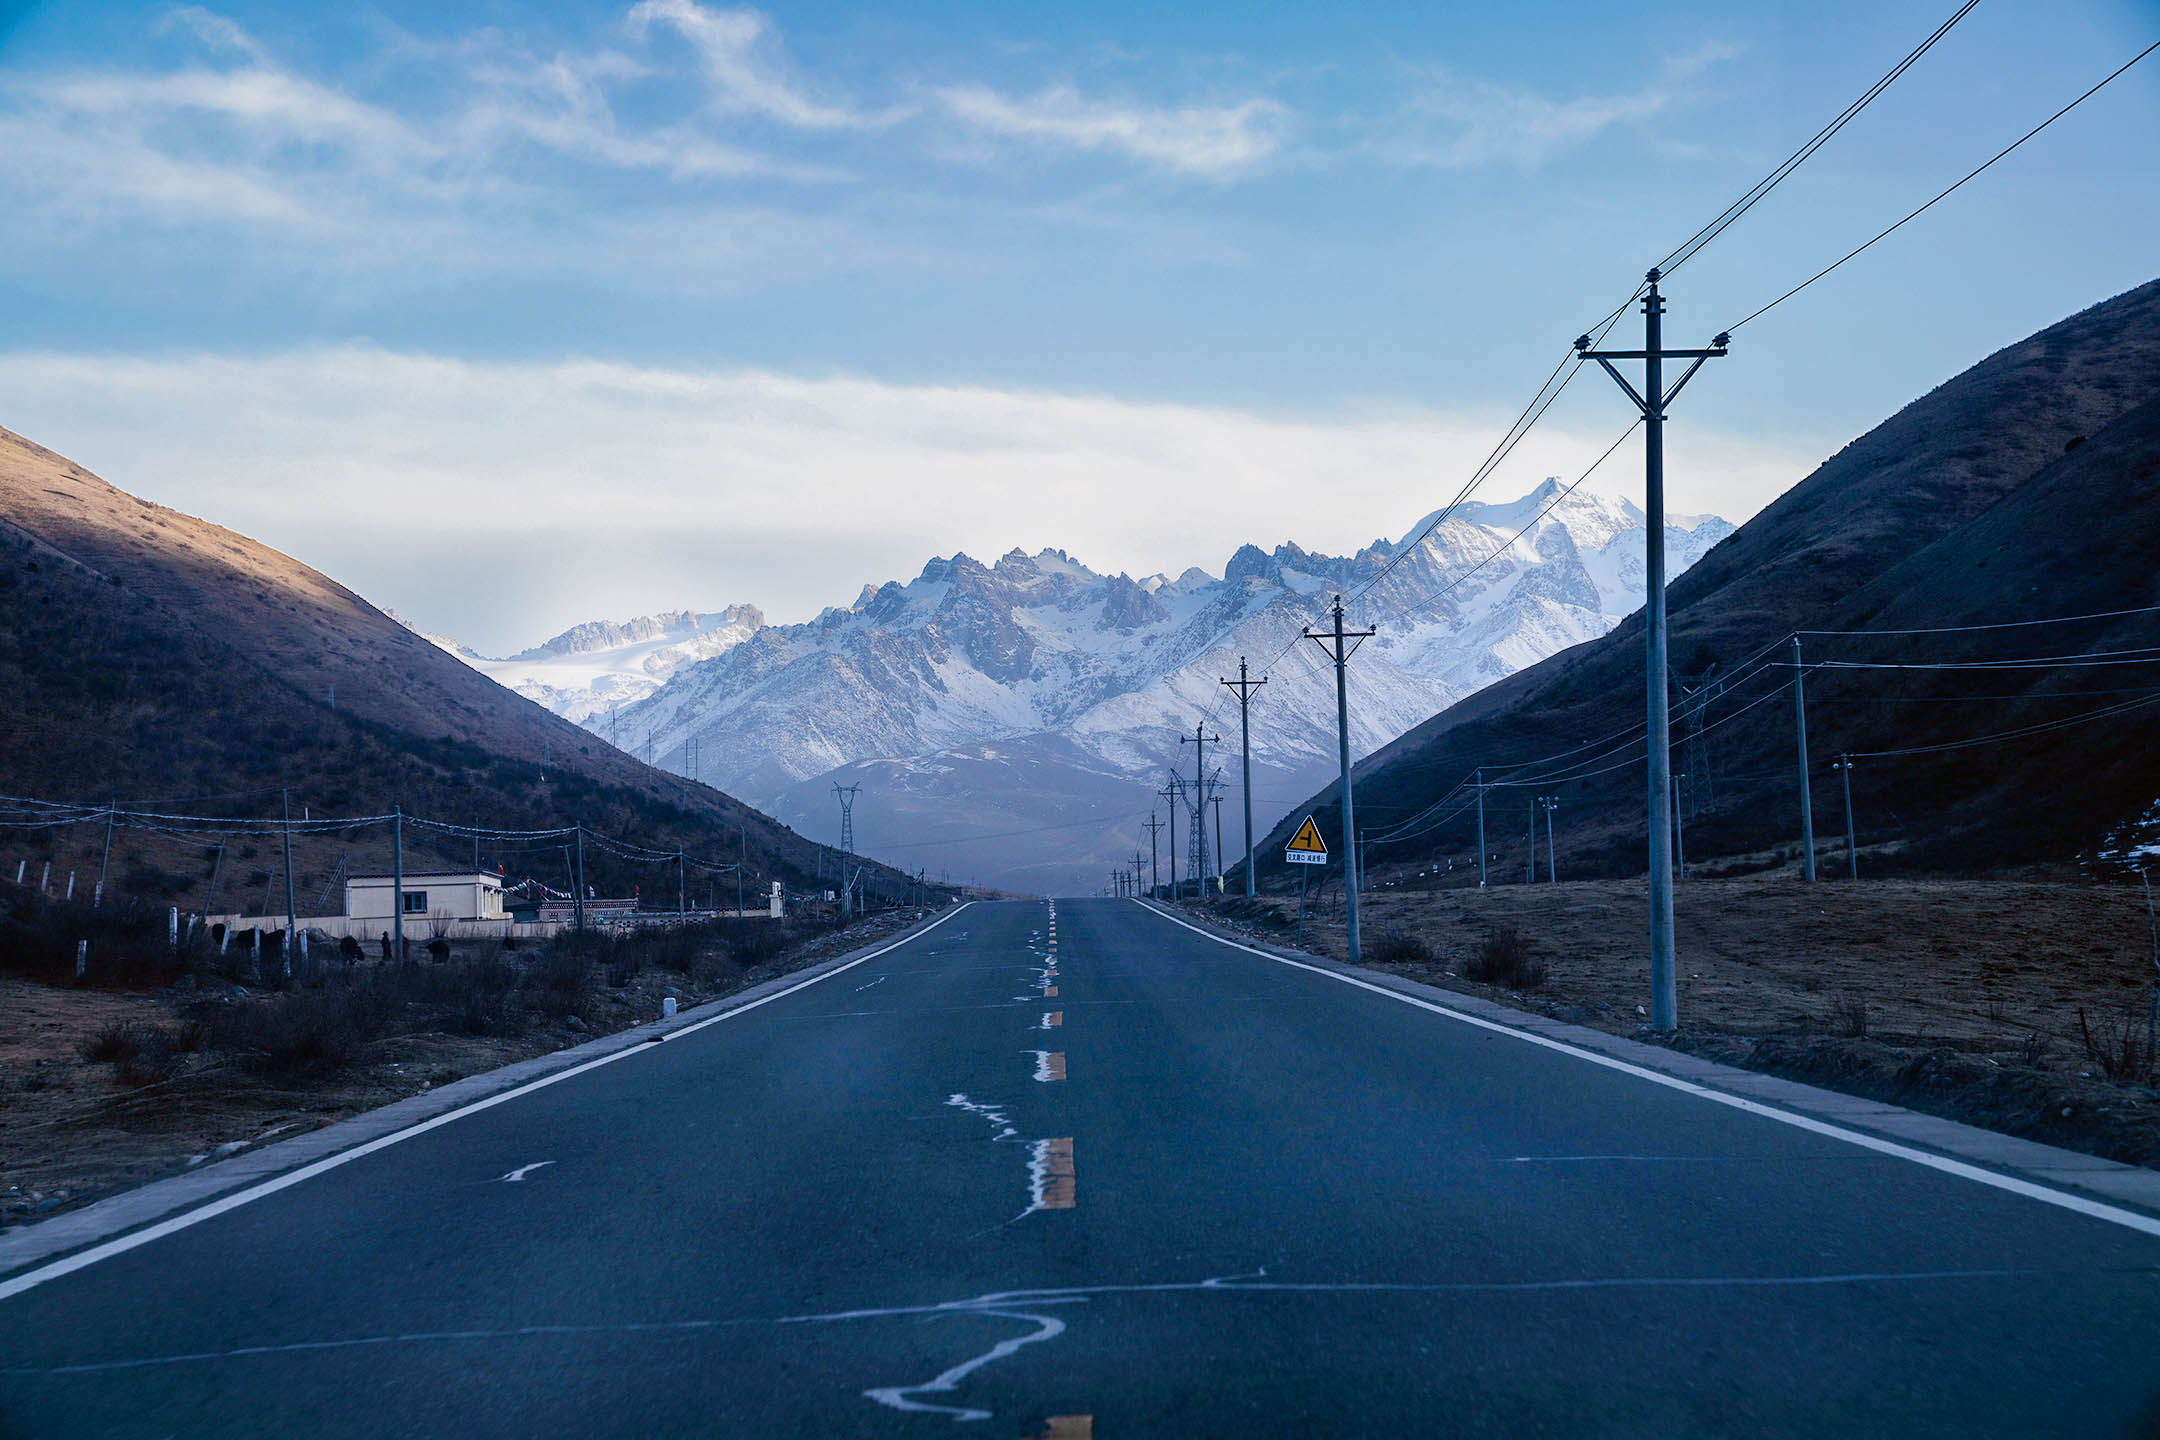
1170, 1189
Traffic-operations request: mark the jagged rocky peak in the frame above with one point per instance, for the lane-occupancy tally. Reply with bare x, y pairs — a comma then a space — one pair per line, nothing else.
643, 629
1126, 606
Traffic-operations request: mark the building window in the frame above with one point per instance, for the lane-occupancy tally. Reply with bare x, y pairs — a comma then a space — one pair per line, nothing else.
416, 902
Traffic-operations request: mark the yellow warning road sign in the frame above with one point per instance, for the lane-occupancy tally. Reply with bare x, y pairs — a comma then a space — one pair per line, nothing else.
1306, 847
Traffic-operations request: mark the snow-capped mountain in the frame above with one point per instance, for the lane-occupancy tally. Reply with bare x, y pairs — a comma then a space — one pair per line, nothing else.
590, 671
1011, 722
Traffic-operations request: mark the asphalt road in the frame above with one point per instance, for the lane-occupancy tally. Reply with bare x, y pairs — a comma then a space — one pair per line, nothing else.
1220, 1196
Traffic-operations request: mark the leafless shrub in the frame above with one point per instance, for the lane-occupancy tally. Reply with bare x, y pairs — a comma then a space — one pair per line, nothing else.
1398, 947
438, 924
1995, 1009
2034, 1050
1505, 960
1849, 1014
2119, 1047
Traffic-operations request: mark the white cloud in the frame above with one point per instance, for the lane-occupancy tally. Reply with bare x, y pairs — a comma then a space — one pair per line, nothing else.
1458, 123
1214, 140
738, 51
501, 502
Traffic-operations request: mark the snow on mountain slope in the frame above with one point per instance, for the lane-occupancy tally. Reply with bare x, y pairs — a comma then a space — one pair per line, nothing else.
592, 670
939, 680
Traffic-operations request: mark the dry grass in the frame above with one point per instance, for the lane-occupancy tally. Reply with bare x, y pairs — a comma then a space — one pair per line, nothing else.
2018, 1004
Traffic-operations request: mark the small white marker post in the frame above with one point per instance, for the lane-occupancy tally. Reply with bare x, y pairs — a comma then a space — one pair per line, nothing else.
667, 1007
82, 958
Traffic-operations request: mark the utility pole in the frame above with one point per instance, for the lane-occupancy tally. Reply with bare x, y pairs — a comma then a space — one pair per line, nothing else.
99, 898
1199, 740
1136, 865
1530, 870
1852, 853
1170, 793
1652, 401
742, 858
397, 882
1339, 647
1481, 827
292, 920
1552, 870
1679, 827
1154, 867
682, 875
1807, 803
577, 888
1216, 800
1244, 689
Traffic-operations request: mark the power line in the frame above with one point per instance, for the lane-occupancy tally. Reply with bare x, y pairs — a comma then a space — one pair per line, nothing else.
1690, 247
1945, 194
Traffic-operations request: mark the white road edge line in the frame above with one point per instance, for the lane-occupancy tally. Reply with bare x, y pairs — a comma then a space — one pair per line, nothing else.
2129, 1219
82, 1259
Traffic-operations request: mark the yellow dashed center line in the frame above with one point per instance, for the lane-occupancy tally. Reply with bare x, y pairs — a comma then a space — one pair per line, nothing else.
1053, 1065
1067, 1427
1052, 1019
1050, 992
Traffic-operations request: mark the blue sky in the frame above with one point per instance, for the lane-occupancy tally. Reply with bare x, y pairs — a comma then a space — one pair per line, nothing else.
678, 303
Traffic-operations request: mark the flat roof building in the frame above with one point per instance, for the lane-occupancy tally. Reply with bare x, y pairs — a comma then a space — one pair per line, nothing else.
460, 894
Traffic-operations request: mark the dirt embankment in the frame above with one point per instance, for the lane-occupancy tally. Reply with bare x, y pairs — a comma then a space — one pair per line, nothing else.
105, 1089
2018, 1005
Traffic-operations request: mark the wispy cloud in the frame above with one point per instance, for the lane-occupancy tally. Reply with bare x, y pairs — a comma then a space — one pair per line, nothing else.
1212, 140
616, 488
739, 53
1458, 123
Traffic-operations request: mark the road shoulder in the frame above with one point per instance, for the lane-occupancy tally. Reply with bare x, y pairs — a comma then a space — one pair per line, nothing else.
27, 1246
2108, 1180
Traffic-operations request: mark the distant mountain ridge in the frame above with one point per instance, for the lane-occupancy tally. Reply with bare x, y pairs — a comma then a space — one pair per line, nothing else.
1035, 694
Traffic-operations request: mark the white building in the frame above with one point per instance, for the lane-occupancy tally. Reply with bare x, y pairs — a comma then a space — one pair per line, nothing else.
459, 894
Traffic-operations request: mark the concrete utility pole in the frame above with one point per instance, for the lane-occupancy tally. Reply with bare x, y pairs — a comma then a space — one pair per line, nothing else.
1481, 827
1154, 867
1807, 803
98, 898
397, 882
1651, 401
577, 882
1852, 853
1170, 793
1244, 688
1552, 870
742, 858
292, 919
1136, 866
1199, 740
1679, 828
1340, 645
1216, 800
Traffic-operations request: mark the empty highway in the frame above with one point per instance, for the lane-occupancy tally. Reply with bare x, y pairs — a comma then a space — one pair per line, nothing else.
1080, 1170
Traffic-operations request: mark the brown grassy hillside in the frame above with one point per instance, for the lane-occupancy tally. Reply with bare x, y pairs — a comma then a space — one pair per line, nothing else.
156, 659
2022, 488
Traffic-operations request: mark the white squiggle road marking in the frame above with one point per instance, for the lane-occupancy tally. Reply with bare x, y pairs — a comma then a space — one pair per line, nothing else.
521, 1172
1007, 1304
995, 1114
879, 981
1047, 1327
